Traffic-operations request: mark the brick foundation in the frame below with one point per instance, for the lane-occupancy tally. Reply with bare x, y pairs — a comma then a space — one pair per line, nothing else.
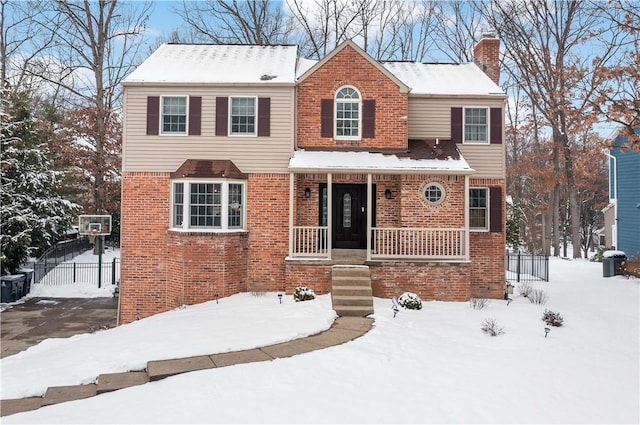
430, 281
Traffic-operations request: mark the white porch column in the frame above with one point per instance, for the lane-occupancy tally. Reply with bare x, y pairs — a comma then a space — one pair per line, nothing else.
466, 219
291, 198
329, 214
369, 212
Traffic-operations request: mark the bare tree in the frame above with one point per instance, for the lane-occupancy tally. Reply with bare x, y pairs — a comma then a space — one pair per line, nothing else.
259, 22
544, 46
22, 42
96, 48
460, 26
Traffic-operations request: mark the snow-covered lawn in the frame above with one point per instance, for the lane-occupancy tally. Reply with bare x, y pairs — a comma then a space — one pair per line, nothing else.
429, 366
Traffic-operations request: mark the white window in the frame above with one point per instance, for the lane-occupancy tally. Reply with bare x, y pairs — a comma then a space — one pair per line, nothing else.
433, 193
348, 113
479, 208
174, 115
476, 125
208, 205
242, 116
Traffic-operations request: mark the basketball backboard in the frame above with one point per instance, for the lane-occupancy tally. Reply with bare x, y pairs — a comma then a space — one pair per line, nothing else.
94, 224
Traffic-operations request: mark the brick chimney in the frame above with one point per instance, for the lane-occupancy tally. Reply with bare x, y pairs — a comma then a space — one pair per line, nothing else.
486, 55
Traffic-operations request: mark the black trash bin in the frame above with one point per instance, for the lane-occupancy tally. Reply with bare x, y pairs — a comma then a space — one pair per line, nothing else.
12, 287
612, 263
28, 279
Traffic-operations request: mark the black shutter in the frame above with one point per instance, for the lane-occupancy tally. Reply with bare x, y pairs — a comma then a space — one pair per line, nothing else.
153, 115
222, 116
195, 115
369, 118
456, 125
495, 209
496, 126
264, 116
326, 117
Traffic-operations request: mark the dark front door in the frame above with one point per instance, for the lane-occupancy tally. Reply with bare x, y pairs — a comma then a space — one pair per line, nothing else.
349, 216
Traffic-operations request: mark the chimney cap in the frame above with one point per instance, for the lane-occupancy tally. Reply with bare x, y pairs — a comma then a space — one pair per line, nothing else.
488, 34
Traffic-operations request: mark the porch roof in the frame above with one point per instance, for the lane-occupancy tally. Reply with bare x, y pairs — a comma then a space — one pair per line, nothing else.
412, 161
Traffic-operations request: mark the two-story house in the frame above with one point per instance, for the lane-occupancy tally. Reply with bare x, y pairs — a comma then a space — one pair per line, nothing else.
246, 168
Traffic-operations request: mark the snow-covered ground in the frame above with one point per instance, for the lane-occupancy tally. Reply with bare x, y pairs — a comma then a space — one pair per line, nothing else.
434, 365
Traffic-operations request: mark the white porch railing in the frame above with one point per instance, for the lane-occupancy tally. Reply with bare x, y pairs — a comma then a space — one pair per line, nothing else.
310, 241
389, 243
418, 243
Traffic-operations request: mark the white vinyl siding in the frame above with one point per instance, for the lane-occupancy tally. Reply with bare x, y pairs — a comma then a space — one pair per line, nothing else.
430, 118
251, 154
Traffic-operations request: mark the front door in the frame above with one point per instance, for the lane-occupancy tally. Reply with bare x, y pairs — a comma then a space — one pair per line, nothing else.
349, 215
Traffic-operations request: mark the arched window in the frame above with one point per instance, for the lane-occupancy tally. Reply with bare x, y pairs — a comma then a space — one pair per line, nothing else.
348, 113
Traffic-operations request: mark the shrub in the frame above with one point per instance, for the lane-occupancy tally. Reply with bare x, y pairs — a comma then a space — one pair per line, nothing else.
410, 301
524, 289
491, 327
258, 294
302, 293
552, 318
538, 296
479, 303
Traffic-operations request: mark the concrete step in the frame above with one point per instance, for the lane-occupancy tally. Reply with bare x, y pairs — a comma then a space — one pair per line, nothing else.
347, 290
351, 280
355, 311
350, 271
351, 301
55, 395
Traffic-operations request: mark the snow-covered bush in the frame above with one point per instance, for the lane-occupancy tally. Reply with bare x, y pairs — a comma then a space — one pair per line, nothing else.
479, 303
491, 327
524, 289
552, 318
410, 301
302, 293
538, 296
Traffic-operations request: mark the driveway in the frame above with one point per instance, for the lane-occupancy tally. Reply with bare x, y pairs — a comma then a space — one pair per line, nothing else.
25, 325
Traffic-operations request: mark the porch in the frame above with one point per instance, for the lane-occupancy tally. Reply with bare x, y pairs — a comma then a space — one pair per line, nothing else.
393, 206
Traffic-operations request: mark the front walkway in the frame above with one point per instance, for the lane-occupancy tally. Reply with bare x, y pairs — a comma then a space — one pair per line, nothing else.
344, 329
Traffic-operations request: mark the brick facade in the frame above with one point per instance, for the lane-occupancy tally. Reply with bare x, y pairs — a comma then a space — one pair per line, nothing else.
349, 67
163, 268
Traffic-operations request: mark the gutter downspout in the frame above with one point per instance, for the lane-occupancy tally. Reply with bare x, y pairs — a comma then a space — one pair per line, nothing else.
614, 200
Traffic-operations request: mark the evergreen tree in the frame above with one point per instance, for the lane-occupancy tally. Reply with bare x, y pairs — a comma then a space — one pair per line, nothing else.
32, 214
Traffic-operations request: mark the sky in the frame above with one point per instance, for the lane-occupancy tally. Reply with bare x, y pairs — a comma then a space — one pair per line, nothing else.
433, 365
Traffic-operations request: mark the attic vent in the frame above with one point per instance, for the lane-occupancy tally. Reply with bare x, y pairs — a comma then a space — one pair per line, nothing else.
266, 77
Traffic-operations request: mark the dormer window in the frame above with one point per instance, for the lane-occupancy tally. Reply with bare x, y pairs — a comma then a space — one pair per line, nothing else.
348, 114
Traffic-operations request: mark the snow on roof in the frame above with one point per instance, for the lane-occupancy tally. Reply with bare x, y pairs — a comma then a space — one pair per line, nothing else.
210, 63
304, 65
312, 161
460, 79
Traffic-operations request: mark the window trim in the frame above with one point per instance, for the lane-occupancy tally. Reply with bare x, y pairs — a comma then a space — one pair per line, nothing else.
487, 141
230, 132
161, 132
224, 207
487, 208
335, 114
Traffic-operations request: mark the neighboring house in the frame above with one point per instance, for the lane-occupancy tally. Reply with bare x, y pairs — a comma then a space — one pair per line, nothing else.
246, 168
622, 215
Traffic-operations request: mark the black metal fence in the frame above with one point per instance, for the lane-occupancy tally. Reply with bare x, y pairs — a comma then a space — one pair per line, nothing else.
68, 273
523, 267
55, 255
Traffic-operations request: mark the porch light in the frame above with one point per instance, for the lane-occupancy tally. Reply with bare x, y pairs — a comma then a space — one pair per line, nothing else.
307, 193
387, 194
